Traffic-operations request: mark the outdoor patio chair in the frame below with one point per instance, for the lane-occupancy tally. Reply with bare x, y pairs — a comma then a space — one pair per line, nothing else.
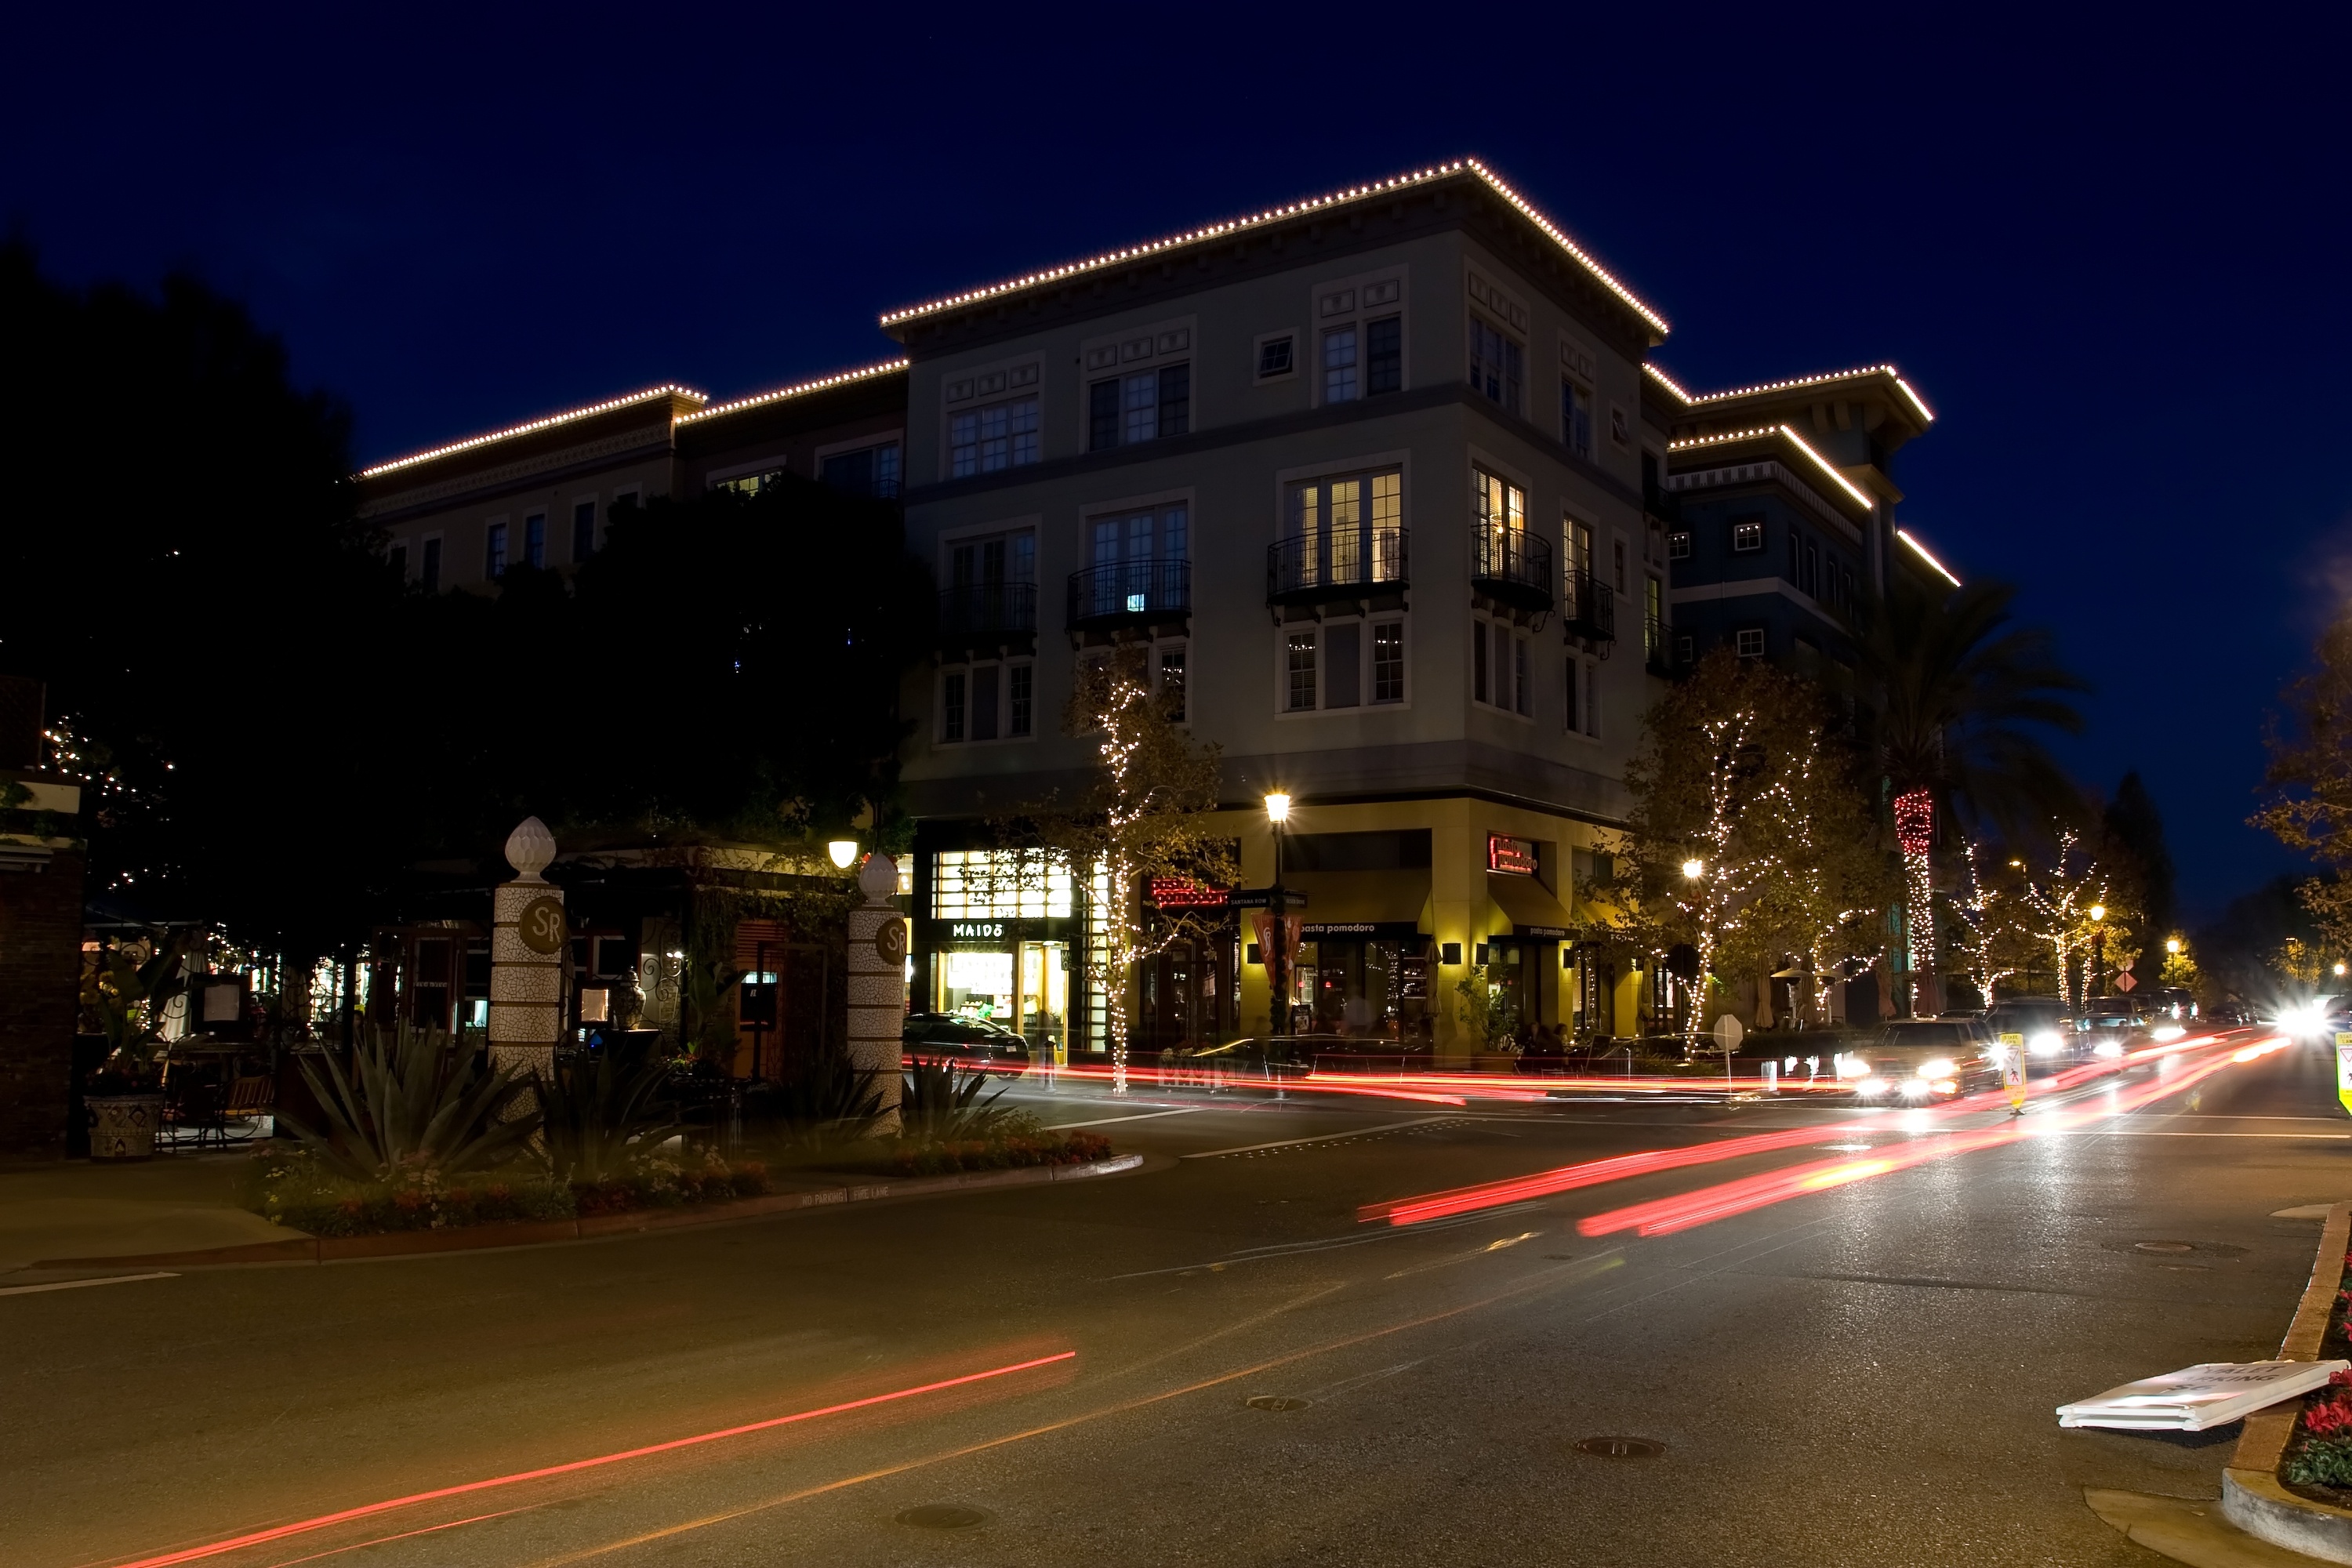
250, 1100
194, 1106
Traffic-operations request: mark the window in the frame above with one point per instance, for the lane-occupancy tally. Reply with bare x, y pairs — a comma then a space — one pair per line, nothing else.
1678, 544
1299, 667
1273, 357
1346, 529
493, 552
751, 484
872, 471
583, 529
999, 884
1617, 429
398, 556
1137, 561
1021, 700
1617, 553
1501, 510
1171, 682
1654, 617
1582, 709
534, 540
432, 572
951, 705
1498, 667
1812, 572
1340, 384
983, 440
1383, 355
1143, 407
1388, 661
1576, 417
1747, 533
1497, 364
1750, 642
1795, 549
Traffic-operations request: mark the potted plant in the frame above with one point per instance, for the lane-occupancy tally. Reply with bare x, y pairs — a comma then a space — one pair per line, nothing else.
126, 993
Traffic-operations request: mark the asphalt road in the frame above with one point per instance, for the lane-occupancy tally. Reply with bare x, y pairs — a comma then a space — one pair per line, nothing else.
1861, 1374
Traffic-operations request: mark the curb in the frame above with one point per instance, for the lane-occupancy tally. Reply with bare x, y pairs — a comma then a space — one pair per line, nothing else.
2251, 1497
534, 1233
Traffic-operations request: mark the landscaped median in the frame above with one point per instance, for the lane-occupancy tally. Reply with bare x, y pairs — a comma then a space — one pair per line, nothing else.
2290, 1480
815, 1190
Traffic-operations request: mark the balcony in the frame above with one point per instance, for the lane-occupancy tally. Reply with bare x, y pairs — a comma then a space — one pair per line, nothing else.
1512, 567
1341, 563
1129, 593
1591, 609
977, 615
1657, 653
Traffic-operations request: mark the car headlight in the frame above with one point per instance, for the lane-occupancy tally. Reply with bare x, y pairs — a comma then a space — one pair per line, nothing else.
1851, 1066
2108, 1048
1914, 1088
2167, 1032
1946, 1086
1938, 1067
1872, 1086
2045, 1044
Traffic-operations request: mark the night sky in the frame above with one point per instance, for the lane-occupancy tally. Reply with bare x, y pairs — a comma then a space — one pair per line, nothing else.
2109, 250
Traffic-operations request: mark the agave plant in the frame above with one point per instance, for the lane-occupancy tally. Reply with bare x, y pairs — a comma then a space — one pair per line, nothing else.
599, 1117
410, 1102
821, 1100
940, 1102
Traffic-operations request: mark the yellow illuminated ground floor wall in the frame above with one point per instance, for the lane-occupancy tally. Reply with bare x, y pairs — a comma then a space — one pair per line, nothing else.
1474, 880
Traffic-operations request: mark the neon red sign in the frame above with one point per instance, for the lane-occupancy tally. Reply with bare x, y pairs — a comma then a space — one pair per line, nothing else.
1512, 857
1183, 894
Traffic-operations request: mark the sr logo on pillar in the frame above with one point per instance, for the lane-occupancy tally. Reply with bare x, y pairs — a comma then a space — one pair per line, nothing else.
890, 941
541, 926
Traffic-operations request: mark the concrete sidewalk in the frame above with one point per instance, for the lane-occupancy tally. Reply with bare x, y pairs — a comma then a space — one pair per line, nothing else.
173, 1203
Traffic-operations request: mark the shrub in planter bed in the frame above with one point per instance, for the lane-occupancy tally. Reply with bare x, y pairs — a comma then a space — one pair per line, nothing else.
1009, 1151
299, 1191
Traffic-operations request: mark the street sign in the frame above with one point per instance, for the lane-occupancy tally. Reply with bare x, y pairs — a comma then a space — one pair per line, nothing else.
2124, 981
2343, 1068
1728, 1032
1263, 898
2012, 1069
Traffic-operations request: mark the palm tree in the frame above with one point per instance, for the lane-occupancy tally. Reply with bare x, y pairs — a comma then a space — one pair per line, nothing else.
1960, 692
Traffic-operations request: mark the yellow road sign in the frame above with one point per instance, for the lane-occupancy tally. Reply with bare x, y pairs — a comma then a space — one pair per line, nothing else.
2012, 1069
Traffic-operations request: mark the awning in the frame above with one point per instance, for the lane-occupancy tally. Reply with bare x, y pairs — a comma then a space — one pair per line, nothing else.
1365, 906
1529, 906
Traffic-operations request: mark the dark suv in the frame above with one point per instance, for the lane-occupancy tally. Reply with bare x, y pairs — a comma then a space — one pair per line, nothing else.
967, 1039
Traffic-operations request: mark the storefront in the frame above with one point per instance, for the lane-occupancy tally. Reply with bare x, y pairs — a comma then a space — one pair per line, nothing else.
1364, 979
996, 936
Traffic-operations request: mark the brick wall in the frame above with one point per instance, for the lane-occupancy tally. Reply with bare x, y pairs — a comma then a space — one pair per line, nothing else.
40, 976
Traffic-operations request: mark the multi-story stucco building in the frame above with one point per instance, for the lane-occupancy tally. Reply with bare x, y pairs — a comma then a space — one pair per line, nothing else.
1367, 474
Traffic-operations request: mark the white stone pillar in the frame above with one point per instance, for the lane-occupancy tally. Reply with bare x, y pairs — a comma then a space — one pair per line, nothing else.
878, 984
530, 944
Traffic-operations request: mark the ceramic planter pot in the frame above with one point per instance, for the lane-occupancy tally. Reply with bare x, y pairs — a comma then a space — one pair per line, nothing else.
122, 1126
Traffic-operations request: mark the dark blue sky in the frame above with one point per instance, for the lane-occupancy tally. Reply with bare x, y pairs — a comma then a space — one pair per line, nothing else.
2110, 249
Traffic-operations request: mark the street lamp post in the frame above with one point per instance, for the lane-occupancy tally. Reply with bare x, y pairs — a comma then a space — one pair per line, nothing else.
1277, 812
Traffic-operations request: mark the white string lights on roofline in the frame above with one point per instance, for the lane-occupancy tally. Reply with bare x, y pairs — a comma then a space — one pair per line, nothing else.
1275, 215
1689, 442
1923, 552
566, 417
862, 373
1794, 382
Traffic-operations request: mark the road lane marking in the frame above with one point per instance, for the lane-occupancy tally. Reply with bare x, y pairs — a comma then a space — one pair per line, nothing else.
1325, 1244
1138, 1116
1322, 1138
80, 1284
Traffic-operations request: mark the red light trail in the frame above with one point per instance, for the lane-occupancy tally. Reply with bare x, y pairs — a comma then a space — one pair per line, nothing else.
1595, 1173
369, 1511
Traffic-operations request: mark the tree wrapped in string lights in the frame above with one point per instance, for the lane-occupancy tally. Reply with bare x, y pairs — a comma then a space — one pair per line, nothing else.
1148, 814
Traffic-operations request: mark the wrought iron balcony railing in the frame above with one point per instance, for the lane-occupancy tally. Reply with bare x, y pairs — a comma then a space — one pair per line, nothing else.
1512, 566
1124, 592
1589, 609
1336, 564
988, 612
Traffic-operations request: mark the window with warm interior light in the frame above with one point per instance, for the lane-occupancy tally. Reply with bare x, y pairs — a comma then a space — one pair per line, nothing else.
1000, 884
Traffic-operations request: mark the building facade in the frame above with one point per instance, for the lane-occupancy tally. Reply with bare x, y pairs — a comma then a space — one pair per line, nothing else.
1365, 479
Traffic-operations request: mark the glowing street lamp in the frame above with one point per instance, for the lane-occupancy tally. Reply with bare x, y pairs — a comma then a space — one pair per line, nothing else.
1693, 869
2172, 944
2099, 948
1277, 812
842, 851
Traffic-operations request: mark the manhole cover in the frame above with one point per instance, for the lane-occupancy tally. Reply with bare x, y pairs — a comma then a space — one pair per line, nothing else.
1274, 1402
2168, 1248
1620, 1447
944, 1516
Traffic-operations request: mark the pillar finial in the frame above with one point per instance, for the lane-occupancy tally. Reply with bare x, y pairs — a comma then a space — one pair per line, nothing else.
530, 848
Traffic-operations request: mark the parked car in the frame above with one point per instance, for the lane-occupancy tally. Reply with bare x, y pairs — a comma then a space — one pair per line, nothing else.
967, 1039
2230, 1013
1918, 1059
2110, 1026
